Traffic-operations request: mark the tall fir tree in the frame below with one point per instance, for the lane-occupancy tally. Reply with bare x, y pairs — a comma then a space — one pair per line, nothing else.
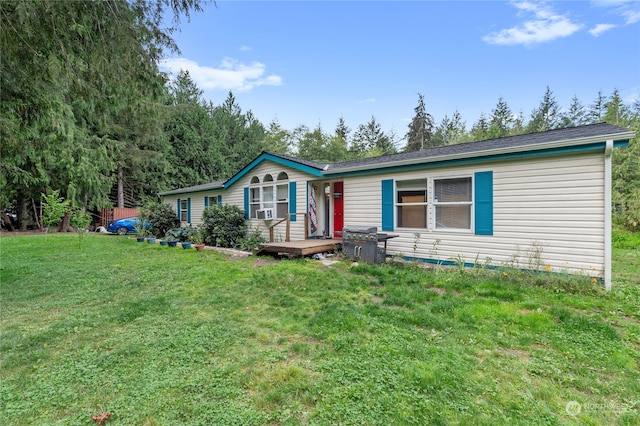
575, 115
501, 120
597, 109
547, 116
480, 129
420, 134
371, 140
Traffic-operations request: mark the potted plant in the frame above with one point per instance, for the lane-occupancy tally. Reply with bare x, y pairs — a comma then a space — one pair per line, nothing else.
181, 235
141, 230
197, 236
171, 241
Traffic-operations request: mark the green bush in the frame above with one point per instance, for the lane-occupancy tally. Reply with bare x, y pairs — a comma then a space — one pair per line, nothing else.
224, 225
162, 218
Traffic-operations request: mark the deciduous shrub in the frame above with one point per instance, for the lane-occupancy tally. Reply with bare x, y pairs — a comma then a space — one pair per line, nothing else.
224, 225
162, 218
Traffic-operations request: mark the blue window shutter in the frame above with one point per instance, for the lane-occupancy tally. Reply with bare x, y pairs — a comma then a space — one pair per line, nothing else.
246, 202
292, 201
387, 205
484, 203
179, 209
206, 202
219, 200
189, 210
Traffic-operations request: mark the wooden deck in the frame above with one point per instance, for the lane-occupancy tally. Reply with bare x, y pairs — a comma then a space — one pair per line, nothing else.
301, 248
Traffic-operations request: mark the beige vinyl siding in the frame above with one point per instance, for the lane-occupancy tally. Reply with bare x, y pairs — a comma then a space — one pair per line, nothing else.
535, 207
235, 195
197, 203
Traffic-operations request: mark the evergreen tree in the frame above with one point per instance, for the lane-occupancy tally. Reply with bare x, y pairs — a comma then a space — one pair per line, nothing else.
450, 130
480, 130
420, 134
342, 130
626, 166
547, 116
241, 136
575, 115
597, 109
501, 120
73, 76
370, 136
518, 127
195, 153
616, 112
277, 139
312, 144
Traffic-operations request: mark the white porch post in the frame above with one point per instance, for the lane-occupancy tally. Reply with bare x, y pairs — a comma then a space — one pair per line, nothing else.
607, 214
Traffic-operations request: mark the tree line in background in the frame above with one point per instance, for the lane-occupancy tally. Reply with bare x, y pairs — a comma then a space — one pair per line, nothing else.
85, 111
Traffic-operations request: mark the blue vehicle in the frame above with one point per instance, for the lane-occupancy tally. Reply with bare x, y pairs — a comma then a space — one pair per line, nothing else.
125, 225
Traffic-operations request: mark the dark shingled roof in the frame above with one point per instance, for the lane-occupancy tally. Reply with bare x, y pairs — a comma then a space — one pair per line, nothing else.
313, 164
205, 186
598, 132
532, 139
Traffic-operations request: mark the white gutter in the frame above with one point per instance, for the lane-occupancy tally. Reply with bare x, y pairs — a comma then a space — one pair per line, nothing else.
489, 152
607, 213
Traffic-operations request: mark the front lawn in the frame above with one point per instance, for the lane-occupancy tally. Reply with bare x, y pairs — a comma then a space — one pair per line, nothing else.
159, 336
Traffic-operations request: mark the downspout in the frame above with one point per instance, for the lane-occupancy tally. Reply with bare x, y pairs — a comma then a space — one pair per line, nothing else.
608, 150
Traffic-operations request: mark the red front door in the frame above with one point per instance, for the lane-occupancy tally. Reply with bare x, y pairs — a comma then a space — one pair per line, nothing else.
338, 209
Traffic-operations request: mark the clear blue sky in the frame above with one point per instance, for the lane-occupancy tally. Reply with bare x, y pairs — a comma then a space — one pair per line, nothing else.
310, 62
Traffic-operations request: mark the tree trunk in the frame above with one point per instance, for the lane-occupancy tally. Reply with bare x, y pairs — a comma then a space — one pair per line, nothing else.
22, 212
120, 186
7, 221
65, 224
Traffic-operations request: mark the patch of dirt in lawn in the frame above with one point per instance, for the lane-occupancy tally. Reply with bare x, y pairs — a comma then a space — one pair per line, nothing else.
260, 262
377, 299
523, 355
441, 291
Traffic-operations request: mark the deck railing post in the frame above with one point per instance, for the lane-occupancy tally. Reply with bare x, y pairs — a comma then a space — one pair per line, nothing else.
288, 229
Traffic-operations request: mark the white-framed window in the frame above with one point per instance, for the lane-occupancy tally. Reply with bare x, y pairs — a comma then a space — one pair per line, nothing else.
282, 195
411, 203
439, 203
254, 196
184, 211
453, 200
269, 193
212, 200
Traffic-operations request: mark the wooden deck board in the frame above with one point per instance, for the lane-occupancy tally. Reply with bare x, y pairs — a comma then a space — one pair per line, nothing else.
302, 247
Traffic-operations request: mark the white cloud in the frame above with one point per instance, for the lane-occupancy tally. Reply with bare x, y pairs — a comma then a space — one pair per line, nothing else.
632, 16
628, 9
368, 101
230, 75
601, 28
244, 48
544, 26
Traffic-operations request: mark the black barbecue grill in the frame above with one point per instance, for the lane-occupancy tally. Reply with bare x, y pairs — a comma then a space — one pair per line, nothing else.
365, 243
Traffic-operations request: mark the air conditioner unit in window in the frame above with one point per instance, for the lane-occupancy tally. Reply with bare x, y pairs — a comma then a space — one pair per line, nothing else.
265, 214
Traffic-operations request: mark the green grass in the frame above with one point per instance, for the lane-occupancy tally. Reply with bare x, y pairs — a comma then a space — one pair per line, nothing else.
160, 335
